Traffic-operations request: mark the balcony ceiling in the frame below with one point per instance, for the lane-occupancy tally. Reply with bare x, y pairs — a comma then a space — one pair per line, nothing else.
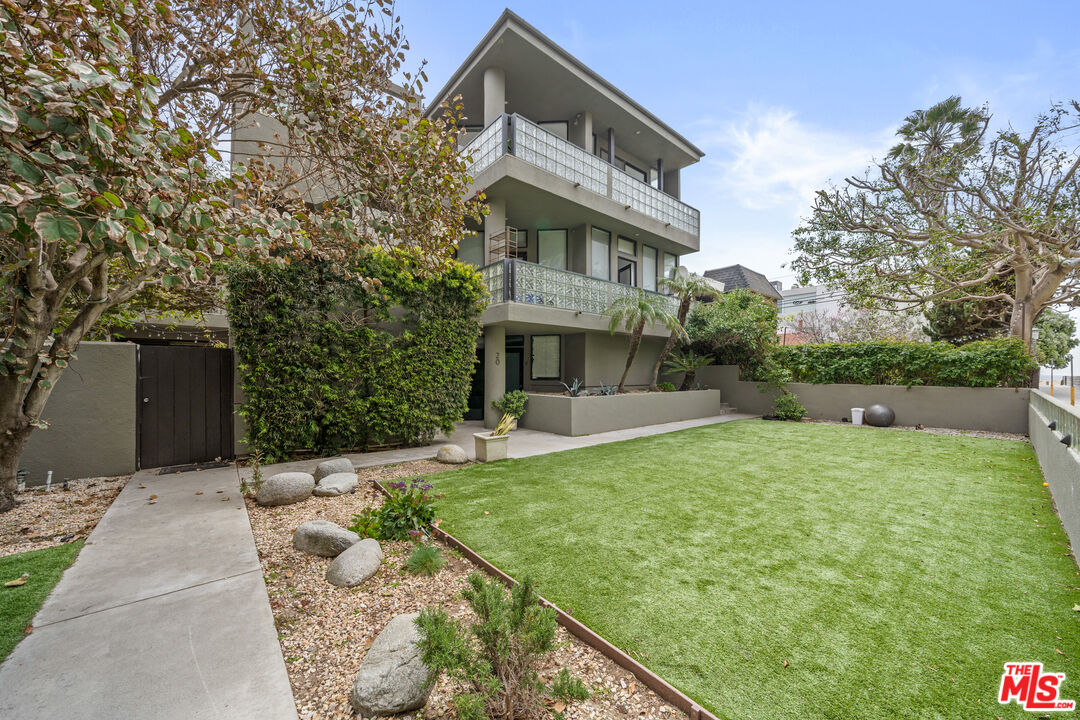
544, 82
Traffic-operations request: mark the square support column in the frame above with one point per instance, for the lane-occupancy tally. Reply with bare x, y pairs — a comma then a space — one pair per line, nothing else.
494, 94
494, 371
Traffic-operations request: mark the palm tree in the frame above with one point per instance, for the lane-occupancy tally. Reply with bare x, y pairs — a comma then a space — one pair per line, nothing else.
634, 312
930, 134
687, 362
687, 288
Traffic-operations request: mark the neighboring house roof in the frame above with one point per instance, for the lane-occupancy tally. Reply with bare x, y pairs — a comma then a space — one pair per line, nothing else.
738, 276
473, 66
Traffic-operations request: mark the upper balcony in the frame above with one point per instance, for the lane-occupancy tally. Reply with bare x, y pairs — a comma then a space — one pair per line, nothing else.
516, 136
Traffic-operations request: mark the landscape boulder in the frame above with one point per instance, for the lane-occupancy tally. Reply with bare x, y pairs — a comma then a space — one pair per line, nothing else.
356, 564
392, 679
337, 484
285, 488
451, 455
332, 466
323, 538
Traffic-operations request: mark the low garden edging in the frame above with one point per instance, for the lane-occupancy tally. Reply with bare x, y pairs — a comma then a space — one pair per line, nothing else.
960, 408
564, 415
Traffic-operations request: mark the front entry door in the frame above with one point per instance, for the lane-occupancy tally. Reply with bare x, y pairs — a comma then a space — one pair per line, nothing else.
184, 405
515, 362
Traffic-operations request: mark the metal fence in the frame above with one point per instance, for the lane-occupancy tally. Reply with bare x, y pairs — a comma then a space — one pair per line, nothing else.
518, 136
524, 282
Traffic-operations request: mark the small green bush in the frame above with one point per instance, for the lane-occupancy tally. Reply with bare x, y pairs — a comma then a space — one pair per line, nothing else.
512, 403
405, 513
787, 407
666, 387
496, 658
1001, 362
565, 687
425, 560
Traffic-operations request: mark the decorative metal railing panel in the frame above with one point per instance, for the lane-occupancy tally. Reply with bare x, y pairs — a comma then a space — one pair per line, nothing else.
654, 203
563, 158
487, 147
531, 284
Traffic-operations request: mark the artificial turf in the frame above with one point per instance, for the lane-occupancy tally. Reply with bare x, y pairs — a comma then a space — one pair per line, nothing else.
795, 570
18, 604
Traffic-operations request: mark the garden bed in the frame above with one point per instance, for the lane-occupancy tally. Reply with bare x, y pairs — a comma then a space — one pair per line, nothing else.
325, 631
565, 415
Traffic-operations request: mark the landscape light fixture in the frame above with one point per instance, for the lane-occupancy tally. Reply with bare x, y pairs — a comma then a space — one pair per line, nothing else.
1066, 441
1052, 425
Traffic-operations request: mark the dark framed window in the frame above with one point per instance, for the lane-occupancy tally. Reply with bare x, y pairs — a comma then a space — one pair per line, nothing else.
600, 265
648, 267
635, 172
545, 357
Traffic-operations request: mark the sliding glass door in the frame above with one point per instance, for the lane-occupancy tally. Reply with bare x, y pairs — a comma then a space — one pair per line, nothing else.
600, 266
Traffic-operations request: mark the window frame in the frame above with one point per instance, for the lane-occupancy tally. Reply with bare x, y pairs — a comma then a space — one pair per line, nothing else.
607, 255
532, 357
566, 246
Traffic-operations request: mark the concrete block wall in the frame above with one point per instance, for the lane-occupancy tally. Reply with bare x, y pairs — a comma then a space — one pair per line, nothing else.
1060, 463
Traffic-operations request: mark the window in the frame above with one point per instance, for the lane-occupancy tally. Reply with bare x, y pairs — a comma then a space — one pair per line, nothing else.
627, 246
546, 357
635, 172
648, 267
551, 248
627, 271
471, 249
601, 254
671, 263
520, 245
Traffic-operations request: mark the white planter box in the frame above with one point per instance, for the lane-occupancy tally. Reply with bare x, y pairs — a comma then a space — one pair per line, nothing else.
490, 447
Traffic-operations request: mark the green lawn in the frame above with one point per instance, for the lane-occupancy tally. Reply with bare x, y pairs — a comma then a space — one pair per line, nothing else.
18, 604
894, 572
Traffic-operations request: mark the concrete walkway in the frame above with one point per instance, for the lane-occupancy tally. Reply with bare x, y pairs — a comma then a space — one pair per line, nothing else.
164, 615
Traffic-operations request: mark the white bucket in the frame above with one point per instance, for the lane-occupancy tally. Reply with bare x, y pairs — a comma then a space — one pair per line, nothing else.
856, 416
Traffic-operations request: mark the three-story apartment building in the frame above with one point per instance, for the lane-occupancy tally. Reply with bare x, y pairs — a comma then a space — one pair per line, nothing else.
583, 188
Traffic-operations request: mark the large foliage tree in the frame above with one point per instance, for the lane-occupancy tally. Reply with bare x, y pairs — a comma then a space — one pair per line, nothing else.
110, 122
957, 214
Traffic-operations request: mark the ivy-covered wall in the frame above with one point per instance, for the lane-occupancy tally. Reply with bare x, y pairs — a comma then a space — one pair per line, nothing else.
330, 363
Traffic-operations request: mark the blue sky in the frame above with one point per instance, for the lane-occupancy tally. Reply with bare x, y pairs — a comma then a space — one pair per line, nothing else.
784, 96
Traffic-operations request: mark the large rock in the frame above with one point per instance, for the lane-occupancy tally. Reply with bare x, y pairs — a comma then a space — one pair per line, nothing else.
451, 455
320, 537
285, 488
356, 564
334, 465
392, 678
337, 484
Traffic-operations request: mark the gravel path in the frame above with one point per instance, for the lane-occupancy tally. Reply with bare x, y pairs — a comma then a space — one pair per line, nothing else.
325, 631
42, 519
935, 430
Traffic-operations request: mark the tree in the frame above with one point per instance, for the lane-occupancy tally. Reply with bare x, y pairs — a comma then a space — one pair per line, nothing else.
687, 362
634, 312
686, 288
1057, 338
950, 211
848, 325
738, 328
112, 181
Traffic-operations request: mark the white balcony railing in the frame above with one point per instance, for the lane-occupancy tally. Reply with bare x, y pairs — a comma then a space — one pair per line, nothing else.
524, 282
515, 135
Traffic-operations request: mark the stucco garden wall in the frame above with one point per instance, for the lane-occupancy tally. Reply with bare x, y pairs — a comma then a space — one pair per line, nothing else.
566, 415
91, 416
1060, 463
995, 409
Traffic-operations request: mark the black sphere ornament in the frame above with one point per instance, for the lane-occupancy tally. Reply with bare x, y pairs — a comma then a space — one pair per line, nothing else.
879, 415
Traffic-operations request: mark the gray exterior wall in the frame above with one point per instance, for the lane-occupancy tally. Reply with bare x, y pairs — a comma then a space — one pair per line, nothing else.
994, 409
565, 415
1060, 464
92, 418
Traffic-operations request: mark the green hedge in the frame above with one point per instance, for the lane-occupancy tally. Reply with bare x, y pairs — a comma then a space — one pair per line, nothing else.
1002, 362
330, 363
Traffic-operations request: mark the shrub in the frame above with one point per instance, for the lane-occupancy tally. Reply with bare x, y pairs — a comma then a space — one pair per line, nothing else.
425, 560
575, 389
1001, 362
409, 508
607, 389
666, 387
331, 362
498, 663
787, 407
738, 328
566, 687
512, 403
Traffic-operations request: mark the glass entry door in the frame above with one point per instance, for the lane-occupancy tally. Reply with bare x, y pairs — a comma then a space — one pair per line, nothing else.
627, 271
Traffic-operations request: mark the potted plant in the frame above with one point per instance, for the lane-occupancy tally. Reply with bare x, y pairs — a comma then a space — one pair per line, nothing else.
512, 404
492, 446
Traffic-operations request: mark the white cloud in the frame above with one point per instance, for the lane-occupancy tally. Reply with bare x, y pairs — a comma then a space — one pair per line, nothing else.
769, 159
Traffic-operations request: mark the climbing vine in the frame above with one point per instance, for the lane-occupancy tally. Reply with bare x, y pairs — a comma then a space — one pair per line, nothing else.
332, 363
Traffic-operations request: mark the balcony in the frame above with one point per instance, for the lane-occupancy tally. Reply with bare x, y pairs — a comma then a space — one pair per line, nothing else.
518, 281
517, 136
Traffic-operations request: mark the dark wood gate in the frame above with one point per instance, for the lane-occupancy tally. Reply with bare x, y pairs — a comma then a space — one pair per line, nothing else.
185, 405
